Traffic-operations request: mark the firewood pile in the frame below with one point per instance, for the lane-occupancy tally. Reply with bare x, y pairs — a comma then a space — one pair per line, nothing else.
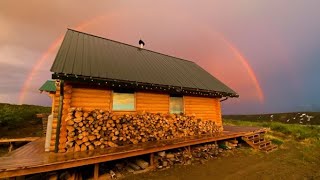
185, 156
102, 129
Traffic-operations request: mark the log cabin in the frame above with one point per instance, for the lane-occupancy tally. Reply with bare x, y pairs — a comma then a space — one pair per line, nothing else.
93, 72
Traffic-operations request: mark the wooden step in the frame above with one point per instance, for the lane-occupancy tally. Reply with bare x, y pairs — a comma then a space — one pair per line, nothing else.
270, 148
251, 137
264, 144
258, 140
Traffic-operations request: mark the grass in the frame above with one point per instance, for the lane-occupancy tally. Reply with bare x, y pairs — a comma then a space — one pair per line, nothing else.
298, 132
14, 116
20, 120
305, 118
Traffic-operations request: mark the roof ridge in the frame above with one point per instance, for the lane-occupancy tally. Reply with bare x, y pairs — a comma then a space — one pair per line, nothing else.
131, 45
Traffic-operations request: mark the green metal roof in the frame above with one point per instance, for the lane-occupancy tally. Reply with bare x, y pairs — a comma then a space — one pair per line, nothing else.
48, 86
87, 55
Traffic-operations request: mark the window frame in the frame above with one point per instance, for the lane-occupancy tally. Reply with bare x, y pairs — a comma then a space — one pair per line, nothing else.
134, 103
183, 103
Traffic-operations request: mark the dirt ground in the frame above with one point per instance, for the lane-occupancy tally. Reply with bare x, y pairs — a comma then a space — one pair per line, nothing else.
292, 161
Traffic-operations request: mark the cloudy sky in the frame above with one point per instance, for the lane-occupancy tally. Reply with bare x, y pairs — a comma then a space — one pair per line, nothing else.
266, 50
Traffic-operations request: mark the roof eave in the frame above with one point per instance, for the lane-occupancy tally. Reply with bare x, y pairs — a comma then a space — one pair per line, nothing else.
116, 83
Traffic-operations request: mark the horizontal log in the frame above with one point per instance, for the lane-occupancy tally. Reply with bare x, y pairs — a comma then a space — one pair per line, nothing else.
197, 98
154, 103
200, 103
76, 99
88, 104
153, 106
201, 110
140, 94
155, 111
90, 91
25, 139
152, 99
87, 95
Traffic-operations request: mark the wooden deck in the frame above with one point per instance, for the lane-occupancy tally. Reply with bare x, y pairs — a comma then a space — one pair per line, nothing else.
32, 158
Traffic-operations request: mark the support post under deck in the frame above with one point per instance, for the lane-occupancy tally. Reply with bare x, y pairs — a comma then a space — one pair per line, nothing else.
96, 171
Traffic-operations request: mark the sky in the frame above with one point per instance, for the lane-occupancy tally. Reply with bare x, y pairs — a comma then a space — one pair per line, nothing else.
266, 50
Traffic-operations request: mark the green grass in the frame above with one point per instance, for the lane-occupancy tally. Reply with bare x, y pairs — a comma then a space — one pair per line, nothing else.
14, 116
298, 132
305, 118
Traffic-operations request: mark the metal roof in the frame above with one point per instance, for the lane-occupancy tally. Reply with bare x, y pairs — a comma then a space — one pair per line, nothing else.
88, 55
48, 86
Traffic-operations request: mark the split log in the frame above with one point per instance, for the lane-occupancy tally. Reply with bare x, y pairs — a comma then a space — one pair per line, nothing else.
141, 163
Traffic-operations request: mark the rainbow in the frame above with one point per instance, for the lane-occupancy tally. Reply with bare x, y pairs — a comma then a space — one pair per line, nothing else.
247, 66
54, 46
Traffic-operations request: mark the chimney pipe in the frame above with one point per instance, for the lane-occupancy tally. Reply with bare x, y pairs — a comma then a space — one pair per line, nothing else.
141, 43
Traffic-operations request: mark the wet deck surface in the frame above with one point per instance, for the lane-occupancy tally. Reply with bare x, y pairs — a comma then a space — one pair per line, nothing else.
31, 158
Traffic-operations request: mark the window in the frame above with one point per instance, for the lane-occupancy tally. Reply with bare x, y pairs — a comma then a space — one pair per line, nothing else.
176, 105
123, 101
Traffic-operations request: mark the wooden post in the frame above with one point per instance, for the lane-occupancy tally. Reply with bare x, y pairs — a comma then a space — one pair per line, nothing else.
56, 148
96, 171
151, 159
20, 178
10, 146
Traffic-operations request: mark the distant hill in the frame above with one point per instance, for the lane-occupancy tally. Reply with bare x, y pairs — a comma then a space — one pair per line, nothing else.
19, 120
312, 118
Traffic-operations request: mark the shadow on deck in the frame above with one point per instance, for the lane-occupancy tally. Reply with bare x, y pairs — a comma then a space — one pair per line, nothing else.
32, 158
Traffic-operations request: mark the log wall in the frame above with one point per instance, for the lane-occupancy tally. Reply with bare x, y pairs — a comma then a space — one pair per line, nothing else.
91, 98
151, 102
203, 107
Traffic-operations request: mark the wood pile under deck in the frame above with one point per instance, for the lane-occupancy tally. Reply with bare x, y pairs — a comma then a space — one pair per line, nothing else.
32, 158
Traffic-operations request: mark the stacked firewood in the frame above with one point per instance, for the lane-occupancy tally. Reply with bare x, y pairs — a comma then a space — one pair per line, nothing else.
229, 144
101, 129
206, 151
185, 156
167, 159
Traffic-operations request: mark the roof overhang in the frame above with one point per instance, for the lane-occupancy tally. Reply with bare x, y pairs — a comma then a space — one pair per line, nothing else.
123, 84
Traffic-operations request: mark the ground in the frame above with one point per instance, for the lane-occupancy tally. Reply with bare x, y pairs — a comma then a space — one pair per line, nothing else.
296, 158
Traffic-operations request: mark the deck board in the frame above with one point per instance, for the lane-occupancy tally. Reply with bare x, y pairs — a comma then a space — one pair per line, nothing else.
31, 158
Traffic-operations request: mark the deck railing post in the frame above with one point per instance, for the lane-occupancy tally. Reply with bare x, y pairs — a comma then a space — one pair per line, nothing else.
56, 147
96, 171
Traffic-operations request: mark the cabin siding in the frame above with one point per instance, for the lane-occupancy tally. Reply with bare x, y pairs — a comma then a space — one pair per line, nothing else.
94, 98
90, 99
203, 107
151, 102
